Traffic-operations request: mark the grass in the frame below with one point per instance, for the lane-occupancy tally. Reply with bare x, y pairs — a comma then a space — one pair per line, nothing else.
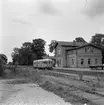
65, 93
19, 81
28, 75
23, 75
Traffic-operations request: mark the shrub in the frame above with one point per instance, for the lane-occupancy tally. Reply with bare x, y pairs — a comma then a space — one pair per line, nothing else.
1, 70
48, 85
80, 77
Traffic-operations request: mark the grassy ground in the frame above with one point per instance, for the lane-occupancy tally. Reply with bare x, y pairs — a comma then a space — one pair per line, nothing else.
54, 83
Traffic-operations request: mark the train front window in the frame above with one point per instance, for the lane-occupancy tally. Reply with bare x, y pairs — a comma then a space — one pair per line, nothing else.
45, 62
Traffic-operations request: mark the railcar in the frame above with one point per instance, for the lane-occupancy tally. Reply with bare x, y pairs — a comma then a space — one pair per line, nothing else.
43, 64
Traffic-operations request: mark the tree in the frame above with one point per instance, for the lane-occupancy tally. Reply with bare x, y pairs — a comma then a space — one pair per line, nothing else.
25, 53
24, 56
32, 57
38, 47
27, 45
3, 61
15, 55
29, 52
97, 40
80, 40
4, 58
52, 45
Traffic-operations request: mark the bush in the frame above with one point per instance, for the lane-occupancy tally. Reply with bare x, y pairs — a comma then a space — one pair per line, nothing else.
80, 77
48, 85
1, 70
35, 76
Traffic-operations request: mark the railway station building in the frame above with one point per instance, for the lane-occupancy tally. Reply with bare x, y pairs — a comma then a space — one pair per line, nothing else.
77, 55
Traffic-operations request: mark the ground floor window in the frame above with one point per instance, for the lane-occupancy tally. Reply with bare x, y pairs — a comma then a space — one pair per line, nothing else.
57, 63
89, 61
60, 61
72, 61
96, 61
82, 61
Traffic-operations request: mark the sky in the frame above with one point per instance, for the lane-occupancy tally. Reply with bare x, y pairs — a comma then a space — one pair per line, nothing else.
62, 20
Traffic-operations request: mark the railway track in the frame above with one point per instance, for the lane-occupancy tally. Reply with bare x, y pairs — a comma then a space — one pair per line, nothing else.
74, 74
68, 79
83, 72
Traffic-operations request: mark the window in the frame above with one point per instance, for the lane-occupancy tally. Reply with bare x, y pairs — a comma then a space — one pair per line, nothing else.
82, 61
59, 52
60, 61
44, 62
96, 61
85, 49
89, 61
91, 50
72, 61
49, 62
88, 49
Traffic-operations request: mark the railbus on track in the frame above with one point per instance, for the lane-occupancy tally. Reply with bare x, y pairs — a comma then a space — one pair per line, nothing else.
43, 64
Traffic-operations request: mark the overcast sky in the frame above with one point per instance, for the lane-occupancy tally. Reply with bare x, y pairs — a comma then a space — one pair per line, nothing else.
63, 20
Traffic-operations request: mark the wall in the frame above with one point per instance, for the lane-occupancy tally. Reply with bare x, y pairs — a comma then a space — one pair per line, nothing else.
91, 54
63, 55
81, 56
72, 60
66, 57
59, 57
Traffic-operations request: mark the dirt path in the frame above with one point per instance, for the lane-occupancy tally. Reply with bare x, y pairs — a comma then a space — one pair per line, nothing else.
27, 94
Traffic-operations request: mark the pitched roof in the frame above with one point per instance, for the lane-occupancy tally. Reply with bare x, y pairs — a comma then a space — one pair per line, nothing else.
88, 44
68, 44
63, 43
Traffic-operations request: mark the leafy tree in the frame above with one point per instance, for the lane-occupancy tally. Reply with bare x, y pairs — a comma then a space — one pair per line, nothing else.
31, 58
27, 45
52, 45
15, 55
97, 40
24, 55
38, 47
29, 52
3, 60
1, 67
80, 40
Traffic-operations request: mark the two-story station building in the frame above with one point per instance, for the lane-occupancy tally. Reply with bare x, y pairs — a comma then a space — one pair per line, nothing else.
77, 55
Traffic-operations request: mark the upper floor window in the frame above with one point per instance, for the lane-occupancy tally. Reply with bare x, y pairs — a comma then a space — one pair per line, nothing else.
72, 61
59, 51
85, 49
96, 61
60, 61
89, 61
88, 49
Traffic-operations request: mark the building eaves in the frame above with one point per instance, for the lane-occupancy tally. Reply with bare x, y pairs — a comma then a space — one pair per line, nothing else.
89, 44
